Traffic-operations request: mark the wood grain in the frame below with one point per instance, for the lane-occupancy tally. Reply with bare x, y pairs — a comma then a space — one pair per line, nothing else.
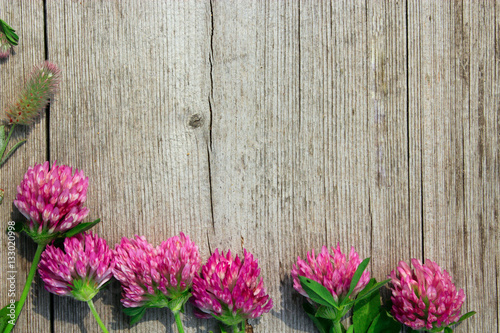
255, 161
27, 19
452, 74
277, 127
481, 167
495, 190
396, 229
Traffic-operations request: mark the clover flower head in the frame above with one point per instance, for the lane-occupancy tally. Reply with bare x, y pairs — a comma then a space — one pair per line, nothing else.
52, 200
333, 271
424, 297
154, 276
230, 289
41, 85
80, 270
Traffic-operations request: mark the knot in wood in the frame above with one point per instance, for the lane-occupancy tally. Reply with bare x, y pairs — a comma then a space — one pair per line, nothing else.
195, 121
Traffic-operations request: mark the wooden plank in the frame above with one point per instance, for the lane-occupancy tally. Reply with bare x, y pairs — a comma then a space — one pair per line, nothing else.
134, 115
393, 197
481, 167
255, 121
415, 115
496, 167
439, 125
451, 45
332, 140
27, 19
331, 144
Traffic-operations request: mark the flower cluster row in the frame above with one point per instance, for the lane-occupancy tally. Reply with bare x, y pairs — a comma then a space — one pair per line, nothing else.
226, 287
166, 276
423, 298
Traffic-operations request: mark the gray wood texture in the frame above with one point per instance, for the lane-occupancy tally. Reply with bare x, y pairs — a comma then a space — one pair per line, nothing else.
272, 126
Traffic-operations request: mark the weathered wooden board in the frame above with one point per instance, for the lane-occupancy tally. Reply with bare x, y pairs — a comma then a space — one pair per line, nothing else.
482, 167
276, 127
255, 159
394, 199
454, 104
135, 79
28, 21
495, 200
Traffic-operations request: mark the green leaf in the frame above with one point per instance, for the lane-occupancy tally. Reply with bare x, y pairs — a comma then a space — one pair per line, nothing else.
80, 228
355, 279
12, 37
366, 308
133, 311
320, 324
309, 308
135, 314
368, 287
18, 226
384, 324
465, 316
317, 292
11, 151
366, 293
2, 137
350, 329
6, 314
448, 330
323, 325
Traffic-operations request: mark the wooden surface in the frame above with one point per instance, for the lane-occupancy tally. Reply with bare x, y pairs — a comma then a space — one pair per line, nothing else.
272, 126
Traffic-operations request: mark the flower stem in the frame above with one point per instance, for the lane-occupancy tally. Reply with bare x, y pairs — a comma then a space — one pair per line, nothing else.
178, 321
337, 327
96, 316
236, 328
27, 286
